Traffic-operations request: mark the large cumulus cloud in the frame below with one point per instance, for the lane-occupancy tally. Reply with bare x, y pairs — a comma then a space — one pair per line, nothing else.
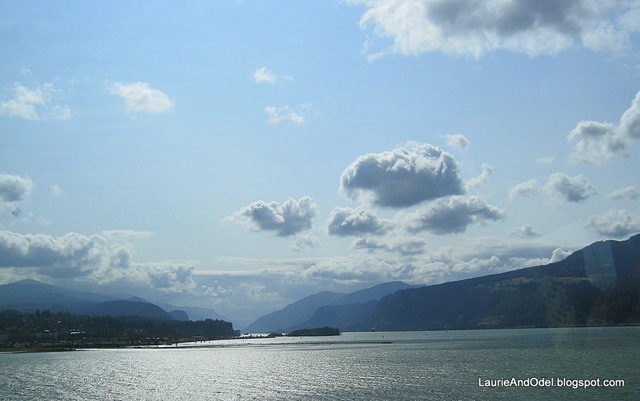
474, 27
402, 177
286, 219
452, 215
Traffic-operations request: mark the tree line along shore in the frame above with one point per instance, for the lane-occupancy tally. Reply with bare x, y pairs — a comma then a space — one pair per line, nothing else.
44, 330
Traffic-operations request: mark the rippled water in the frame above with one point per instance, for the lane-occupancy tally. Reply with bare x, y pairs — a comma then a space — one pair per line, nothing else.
354, 366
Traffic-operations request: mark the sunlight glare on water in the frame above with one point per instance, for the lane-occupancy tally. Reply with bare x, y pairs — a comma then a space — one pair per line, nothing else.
354, 366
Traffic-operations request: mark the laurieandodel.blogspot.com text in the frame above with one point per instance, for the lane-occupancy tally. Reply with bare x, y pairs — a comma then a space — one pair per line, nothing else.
550, 382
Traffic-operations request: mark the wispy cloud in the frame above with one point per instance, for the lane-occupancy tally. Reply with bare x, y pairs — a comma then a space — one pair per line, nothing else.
304, 241
545, 161
526, 188
401, 246
263, 75
458, 142
128, 234
476, 182
625, 193
34, 104
280, 114
526, 231
57, 191
141, 98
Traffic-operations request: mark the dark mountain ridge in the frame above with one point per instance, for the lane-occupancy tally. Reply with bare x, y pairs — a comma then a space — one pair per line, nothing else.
598, 285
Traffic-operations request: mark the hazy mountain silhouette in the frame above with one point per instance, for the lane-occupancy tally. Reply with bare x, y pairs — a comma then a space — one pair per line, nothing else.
293, 314
179, 315
194, 312
346, 307
32, 295
127, 307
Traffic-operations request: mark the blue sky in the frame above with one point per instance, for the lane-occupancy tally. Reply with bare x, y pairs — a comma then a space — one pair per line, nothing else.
243, 154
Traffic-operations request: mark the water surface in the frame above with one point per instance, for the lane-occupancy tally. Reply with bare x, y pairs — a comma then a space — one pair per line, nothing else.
354, 366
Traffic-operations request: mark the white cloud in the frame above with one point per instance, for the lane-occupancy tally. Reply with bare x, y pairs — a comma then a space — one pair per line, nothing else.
345, 221
559, 254
305, 241
476, 264
526, 188
458, 142
474, 183
14, 188
569, 189
403, 177
141, 98
545, 161
403, 246
61, 113
70, 254
286, 219
280, 114
128, 234
630, 119
354, 269
34, 104
525, 231
452, 215
600, 142
597, 143
615, 224
475, 27
167, 277
57, 191
263, 75
13, 191
625, 193
94, 259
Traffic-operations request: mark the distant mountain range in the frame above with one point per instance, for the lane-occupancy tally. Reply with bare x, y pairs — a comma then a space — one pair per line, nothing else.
597, 285
31, 295
323, 309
